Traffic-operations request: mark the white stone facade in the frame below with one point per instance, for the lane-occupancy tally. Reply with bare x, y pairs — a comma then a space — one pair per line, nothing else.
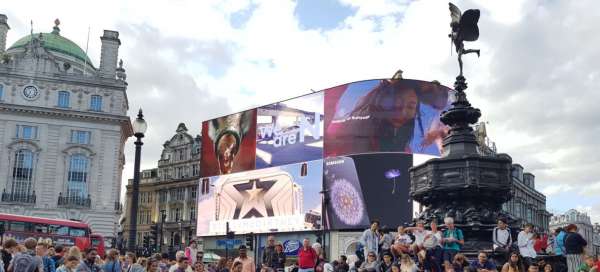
63, 126
583, 222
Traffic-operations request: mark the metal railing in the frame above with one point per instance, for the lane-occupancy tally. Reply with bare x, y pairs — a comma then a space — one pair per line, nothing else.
74, 201
18, 197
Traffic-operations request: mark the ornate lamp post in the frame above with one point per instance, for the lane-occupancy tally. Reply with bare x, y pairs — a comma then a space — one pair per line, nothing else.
139, 128
464, 183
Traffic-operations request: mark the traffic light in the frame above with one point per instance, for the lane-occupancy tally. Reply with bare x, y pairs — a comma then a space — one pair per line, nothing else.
250, 241
146, 241
154, 233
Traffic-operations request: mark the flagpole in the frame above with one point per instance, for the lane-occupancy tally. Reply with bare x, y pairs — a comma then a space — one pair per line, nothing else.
87, 43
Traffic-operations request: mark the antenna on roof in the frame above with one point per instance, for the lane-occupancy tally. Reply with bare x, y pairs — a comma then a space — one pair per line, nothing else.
87, 43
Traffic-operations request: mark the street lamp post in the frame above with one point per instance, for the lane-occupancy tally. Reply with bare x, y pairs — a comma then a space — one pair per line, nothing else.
139, 128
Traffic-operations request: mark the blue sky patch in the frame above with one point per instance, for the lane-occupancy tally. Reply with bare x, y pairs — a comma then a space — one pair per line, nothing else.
321, 14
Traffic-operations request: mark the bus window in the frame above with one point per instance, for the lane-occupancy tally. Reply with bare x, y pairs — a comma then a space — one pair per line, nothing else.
75, 232
59, 230
41, 228
17, 226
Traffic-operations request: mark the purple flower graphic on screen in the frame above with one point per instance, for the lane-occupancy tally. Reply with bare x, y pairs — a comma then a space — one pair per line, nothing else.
393, 174
347, 202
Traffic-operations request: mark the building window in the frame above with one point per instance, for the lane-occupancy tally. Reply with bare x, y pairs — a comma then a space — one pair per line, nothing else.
63, 99
22, 173
162, 196
80, 137
78, 176
193, 193
195, 170
178, 215
193, 213
1, 92
27, 132
96, 103
182, 154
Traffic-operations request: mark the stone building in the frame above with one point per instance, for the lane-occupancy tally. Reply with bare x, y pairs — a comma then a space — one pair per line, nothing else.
169, 189
583, 222
63, 126
528, 205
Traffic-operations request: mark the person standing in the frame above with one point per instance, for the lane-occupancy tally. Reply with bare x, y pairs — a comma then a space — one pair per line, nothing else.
9, 249
574, 247
26, 261
112, 263
247, 262
89, 263
58, 258
387, 239
278, 262
41, 250
587, 265
307, 257
191, 252
452, 239
525, 242
370, 238
69, 264
269, 254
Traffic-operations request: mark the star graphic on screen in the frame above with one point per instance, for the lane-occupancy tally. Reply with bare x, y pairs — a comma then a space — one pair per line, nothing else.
254, 203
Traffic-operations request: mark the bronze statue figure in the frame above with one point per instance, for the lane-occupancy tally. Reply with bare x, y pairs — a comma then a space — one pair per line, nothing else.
464, 28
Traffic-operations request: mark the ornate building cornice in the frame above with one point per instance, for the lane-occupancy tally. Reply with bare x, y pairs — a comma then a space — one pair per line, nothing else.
70, 114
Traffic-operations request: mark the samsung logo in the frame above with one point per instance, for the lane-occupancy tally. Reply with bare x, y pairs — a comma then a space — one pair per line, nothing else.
329, 163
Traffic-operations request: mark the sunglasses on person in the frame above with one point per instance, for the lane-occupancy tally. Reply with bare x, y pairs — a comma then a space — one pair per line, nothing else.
371, 255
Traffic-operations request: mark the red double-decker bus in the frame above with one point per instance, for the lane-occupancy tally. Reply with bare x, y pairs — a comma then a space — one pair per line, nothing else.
61, 232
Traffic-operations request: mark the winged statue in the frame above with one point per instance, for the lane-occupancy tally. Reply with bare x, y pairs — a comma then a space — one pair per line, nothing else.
464, 28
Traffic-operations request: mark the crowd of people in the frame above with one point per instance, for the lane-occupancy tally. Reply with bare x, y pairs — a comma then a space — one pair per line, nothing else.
420, 248
410, 249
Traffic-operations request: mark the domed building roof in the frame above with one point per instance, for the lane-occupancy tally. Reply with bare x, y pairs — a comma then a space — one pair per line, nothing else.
53, 41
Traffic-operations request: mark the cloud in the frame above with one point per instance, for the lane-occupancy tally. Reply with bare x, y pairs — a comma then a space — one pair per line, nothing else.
536, 81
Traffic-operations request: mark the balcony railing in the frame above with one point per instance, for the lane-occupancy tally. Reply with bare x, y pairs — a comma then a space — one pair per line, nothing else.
18, 197
74, 201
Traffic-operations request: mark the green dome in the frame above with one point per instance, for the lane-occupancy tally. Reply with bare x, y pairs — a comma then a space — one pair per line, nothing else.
57, 43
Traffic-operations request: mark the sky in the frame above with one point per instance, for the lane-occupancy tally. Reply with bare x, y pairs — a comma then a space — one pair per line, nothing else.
536, 81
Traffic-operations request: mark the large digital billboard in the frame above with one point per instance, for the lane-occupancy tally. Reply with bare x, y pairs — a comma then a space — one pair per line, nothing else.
229, 144
276, 199
364, 187
385, 116
290, 131
264, 169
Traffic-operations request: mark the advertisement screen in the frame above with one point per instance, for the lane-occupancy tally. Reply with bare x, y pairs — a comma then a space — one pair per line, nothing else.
275, 199
385, 116
290, 131
228, 144
365, 187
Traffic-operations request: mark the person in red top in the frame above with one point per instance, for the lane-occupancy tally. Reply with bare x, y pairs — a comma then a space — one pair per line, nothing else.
541, 243
307, 257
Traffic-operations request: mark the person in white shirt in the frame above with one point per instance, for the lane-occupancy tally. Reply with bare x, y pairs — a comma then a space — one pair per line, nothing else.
402, 242
433, 246
419, 232
525, 242
502, 240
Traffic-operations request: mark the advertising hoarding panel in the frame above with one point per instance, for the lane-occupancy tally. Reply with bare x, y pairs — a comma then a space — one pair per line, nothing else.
365, 187
228, 144
290, 131
284, 198
385, 116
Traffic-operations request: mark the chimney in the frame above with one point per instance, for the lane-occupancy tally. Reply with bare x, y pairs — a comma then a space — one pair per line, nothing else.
3, 31
110, 53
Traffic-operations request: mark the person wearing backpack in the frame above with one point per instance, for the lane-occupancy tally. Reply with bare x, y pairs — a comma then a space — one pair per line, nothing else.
452, 239
27, 261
